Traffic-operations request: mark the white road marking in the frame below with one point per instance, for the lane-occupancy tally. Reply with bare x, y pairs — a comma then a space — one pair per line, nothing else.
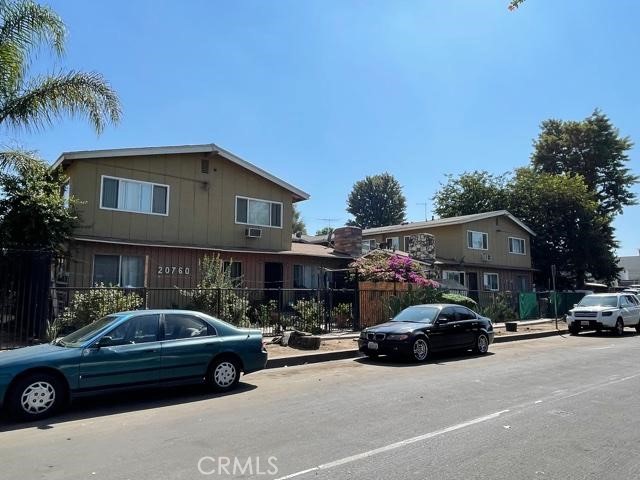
393, 446
554, 398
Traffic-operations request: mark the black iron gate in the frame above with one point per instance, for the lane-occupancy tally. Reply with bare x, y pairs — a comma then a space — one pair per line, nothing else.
25, 277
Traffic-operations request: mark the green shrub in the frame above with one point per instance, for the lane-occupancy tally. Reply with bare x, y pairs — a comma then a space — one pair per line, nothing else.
413, 296
458, 299
341, 314
90, 305
499, 310
215, 294
267, 311
310, 315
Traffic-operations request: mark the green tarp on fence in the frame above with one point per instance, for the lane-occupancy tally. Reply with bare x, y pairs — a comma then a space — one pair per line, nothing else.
528, 306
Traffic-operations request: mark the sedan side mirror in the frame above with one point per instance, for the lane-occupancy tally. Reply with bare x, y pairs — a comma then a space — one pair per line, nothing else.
105, 341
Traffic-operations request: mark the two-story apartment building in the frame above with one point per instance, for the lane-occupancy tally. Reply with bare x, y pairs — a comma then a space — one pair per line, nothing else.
148, 215
486, 251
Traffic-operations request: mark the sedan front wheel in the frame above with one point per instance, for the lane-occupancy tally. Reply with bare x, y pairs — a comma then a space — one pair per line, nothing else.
35, 397
420, 349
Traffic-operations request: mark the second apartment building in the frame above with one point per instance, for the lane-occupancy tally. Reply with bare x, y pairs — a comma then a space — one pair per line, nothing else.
482, 252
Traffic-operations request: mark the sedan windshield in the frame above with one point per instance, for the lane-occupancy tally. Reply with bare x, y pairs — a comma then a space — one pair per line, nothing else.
417, 315
604, 301
87, 332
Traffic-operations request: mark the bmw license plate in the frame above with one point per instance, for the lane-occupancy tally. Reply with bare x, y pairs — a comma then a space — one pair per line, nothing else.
585, 322
372, 346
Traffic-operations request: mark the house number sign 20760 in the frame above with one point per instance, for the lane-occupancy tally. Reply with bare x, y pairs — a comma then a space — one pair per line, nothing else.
166, 270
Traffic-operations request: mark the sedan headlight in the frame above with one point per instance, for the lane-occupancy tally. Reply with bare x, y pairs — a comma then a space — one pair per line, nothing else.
398, 337
607, 314
363, 334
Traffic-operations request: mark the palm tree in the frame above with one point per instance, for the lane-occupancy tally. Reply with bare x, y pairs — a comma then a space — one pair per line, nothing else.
33, 103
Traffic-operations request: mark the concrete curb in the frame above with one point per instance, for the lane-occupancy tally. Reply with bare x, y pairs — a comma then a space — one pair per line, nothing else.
346, 354
529, 336
312, 358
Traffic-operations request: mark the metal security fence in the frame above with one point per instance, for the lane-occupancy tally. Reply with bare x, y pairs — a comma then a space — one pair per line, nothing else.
273, 311
24, 301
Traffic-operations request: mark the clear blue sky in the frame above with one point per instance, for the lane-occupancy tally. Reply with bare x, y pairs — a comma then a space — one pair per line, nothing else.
324, 92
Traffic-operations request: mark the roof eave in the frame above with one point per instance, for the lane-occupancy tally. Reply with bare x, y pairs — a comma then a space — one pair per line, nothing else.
298, 194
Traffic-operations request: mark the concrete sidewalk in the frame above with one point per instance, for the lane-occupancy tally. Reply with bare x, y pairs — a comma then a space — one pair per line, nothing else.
343, 346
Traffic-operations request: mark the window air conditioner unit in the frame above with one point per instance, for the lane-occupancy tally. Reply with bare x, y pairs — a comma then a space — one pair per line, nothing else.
486, 257
253, 232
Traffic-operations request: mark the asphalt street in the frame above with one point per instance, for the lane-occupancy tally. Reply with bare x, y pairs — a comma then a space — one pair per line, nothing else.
553, 408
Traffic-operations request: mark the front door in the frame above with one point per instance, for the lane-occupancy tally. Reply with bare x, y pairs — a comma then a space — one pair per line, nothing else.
472, 285
128, 355
468, 326
188, 346
442, 333
273, 279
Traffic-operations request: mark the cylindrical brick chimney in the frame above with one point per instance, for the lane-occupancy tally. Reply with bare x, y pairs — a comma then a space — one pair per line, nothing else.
348, 240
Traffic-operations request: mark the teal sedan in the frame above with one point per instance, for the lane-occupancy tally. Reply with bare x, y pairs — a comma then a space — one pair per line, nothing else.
128, 350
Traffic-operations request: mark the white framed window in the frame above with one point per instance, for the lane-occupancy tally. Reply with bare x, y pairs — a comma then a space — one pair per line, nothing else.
393, 243
134, 196
406, 243
261, 213
119, 270
368, 245
477, 240
490, 281
453, 275
516, 246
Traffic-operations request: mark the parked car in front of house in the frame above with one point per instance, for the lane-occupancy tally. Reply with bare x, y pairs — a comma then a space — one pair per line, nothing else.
128, 350
421, 329
605, 311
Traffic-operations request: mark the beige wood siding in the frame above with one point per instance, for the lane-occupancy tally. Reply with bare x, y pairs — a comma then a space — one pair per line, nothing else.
201, 206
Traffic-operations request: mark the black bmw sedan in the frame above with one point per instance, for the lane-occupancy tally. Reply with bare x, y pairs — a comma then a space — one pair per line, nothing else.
419, 330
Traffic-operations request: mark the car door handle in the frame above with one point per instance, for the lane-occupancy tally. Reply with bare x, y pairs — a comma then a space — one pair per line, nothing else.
151, 350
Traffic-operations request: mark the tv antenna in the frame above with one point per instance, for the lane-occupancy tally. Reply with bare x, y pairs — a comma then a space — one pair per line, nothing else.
328, 221
424, 204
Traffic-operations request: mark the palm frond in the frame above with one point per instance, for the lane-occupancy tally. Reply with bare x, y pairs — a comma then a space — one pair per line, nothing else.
28, 24
25, 26
74, 93
16, 159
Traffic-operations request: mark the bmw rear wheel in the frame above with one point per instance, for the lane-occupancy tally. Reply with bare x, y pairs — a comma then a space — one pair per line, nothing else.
482, 344
420, 349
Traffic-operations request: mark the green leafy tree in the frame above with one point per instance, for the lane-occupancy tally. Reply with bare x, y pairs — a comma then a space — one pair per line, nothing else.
325, 231
469, 193
34, 102
571, 233
377, 201
594, 149
33, 213
298, 224
560, 209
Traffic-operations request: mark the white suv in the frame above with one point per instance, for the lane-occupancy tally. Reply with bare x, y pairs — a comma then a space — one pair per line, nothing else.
600, 311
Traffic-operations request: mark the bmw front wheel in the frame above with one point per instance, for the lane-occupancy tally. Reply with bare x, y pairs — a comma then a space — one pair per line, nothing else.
420, 349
